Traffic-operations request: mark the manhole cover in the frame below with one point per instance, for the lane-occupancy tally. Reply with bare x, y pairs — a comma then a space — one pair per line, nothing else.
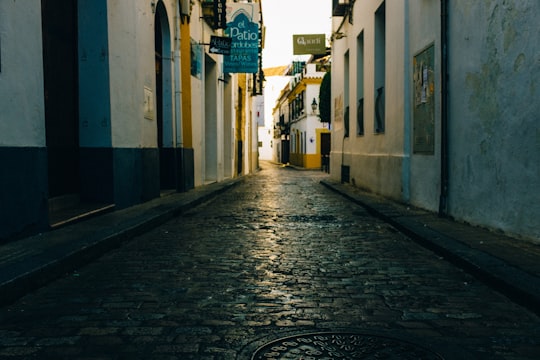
341, 346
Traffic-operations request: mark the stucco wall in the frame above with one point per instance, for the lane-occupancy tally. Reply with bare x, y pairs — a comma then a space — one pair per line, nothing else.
494, 114
131, 62
22, 114
375, 159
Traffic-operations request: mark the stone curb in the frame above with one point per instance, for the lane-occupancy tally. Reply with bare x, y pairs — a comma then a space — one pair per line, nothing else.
48, 256
520, 286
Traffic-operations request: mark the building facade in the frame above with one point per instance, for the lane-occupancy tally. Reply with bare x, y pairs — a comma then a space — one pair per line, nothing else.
434, 104
108, 103
275, 79
299, 130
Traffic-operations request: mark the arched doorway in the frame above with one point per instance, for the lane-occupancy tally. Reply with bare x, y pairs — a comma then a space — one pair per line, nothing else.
164, 120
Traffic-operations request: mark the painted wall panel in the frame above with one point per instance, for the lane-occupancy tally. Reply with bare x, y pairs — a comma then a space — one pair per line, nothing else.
94, 74
22, 112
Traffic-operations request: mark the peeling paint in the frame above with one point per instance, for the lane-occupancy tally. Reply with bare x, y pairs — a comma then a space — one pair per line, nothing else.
495, 76
518, 63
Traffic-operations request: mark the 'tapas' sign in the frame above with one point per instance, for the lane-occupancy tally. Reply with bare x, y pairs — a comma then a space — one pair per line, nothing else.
243, 29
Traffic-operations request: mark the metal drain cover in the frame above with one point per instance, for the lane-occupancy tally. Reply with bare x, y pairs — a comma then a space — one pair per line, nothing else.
341, 346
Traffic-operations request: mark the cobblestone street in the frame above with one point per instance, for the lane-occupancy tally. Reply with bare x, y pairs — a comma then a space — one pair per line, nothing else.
277, 255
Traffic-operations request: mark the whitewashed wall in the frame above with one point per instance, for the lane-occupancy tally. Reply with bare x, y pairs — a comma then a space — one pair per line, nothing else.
375, 160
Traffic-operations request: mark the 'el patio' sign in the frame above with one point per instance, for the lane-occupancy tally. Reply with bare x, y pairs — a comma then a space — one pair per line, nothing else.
243, 29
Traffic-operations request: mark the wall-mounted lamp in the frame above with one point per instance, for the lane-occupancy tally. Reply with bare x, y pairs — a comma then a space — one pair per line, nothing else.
314, 105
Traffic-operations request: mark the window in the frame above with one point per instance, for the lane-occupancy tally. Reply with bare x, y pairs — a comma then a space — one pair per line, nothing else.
346, 120
360, 118
360, 85
346, 94
380, 72
379, 110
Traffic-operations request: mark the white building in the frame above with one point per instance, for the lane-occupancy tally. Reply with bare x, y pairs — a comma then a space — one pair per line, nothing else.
299, 129
275, 79
435, 104
112, 103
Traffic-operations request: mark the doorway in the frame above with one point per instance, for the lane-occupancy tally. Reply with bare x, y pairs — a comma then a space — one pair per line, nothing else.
325, 152
61, 89
210, 120
165, 136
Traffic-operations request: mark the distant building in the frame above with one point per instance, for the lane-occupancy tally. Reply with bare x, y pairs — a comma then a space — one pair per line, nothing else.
299, 130
275, 79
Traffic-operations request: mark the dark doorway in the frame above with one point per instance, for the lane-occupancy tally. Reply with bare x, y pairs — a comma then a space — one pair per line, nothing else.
325, 152
285, 151
59, 25
240, 151
165, 143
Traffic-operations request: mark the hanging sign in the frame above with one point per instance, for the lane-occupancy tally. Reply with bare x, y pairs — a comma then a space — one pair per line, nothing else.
220, 16
243, 29
220, 45
309, 44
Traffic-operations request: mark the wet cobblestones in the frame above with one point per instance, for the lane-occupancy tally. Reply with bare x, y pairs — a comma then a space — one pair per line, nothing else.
276, 255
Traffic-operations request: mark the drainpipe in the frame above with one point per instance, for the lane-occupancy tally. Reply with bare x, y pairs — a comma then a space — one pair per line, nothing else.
406, 166
443, 199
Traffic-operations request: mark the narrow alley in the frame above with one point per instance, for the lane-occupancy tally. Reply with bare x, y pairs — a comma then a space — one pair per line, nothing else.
267, 270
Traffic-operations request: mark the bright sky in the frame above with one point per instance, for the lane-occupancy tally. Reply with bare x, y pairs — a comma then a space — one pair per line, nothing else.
283, 18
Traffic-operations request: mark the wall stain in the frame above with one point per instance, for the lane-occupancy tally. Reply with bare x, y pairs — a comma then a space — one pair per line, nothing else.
518, 63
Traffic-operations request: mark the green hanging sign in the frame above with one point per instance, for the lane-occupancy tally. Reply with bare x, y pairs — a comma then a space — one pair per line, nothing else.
309, 44
244, 32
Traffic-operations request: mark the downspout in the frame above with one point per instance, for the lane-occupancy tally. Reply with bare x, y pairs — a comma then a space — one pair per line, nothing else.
443, 199
406, 166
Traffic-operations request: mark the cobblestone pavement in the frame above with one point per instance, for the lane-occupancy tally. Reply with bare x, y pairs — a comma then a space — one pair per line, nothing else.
275, 256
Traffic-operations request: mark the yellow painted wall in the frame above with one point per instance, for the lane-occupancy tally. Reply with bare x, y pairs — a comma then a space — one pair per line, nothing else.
185, 49
312, 161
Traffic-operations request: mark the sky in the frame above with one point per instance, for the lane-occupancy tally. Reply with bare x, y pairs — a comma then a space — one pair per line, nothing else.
283, 18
